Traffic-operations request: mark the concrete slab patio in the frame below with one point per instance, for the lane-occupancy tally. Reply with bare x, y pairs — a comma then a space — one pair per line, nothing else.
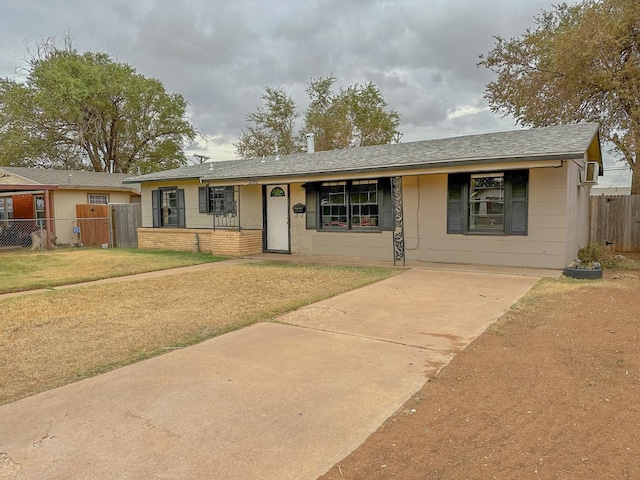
281, 400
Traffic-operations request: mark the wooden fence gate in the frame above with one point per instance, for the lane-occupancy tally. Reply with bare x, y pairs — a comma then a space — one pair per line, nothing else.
93, 223
615, 221
126, 218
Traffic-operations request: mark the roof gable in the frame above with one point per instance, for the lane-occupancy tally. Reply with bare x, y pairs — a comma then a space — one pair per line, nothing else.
70, 178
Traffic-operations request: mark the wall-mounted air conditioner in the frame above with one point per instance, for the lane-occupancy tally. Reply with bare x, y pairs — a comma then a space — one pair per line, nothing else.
589, 173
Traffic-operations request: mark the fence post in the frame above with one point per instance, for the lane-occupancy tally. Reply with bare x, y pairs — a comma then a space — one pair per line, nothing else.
110, 225
41, 231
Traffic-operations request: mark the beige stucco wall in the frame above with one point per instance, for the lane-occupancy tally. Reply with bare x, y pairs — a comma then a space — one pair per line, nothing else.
64, 210
425, 215
65, 201
558, 222
577, 212
250, 205
193, 218
362, 244
425, 211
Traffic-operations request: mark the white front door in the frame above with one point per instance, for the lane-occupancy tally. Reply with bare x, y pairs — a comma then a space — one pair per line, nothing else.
278, 217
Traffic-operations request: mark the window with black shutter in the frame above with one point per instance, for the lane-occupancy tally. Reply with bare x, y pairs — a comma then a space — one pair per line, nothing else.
168, 207
488, 203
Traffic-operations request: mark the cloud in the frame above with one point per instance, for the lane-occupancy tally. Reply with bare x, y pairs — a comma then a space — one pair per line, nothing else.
220, 55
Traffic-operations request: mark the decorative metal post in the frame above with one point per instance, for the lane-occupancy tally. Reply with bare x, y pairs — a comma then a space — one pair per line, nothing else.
398, 221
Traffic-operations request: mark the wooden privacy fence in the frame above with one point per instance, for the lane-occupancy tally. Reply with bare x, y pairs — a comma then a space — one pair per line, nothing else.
615, 221
125, 220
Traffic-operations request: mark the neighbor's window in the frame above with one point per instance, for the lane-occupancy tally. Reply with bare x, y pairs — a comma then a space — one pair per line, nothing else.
39, 206
96, 199
6, 208
486, 203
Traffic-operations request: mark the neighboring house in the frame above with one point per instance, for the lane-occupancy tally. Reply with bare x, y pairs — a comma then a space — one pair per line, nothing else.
30, 194
517, 198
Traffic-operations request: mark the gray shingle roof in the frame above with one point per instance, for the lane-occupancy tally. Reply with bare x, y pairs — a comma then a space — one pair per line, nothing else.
72, 178
548, 143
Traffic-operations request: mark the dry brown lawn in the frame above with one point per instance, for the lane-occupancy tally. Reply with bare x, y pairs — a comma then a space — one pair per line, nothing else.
26, 270
54, 338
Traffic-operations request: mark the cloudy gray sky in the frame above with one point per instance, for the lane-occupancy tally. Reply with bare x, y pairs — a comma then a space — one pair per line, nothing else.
220, 55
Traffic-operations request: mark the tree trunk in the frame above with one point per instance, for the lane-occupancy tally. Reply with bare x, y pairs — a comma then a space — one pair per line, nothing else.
635, 179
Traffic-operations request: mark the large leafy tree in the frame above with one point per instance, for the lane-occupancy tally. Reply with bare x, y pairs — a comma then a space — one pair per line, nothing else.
579, 63
351, 117
270, 127
327, 116
84, 110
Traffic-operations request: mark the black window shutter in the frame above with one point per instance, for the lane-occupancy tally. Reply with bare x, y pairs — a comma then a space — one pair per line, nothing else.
456, 208
385, 204
311, 206
155, 206
203, 199
517, 187
181, 219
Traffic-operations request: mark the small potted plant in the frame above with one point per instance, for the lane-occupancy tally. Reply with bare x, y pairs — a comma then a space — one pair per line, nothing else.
590, 262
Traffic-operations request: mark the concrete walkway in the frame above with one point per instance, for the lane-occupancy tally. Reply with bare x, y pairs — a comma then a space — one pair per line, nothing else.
283, 400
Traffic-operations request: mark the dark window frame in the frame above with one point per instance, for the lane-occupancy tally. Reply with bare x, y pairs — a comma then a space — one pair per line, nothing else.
177, 211
217, 201
515, 204
352, 206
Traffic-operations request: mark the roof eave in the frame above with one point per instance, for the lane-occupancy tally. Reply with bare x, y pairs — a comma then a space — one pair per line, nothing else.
400, 167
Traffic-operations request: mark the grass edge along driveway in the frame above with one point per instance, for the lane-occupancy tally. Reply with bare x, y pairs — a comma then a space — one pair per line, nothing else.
54, 338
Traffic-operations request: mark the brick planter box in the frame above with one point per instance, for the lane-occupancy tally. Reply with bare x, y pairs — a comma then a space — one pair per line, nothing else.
217, 242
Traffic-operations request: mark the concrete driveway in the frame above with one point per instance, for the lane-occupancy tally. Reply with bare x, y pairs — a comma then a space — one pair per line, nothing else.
283, 400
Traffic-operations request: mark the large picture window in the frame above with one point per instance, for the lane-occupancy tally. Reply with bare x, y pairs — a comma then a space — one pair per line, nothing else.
353, 205
168, 207
492, 203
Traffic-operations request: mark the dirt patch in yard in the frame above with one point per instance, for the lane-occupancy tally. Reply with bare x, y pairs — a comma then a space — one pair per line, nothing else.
549, 391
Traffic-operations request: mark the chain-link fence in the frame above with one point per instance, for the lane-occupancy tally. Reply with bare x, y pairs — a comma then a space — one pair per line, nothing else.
47, 233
